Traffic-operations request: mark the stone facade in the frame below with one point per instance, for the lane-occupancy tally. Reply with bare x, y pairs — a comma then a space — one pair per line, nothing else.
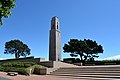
54, 42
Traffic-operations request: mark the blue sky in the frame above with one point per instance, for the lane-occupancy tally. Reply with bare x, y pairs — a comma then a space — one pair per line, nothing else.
98, 20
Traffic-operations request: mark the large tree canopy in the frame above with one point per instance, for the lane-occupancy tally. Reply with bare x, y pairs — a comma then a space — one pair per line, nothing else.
5, 6
85, 48
16, 47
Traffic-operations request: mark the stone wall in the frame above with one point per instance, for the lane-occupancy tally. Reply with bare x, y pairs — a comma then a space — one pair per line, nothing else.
56, 64
27, 59
48, 64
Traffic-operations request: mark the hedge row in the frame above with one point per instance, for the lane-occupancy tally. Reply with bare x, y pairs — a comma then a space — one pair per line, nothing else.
110, 61
103, 62
24, 71
18, 64
13, 69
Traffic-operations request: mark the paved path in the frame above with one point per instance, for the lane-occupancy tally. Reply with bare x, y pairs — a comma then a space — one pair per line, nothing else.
45, 77
34, 77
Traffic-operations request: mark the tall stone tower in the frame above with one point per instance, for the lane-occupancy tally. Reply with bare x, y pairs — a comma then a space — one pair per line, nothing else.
54, 42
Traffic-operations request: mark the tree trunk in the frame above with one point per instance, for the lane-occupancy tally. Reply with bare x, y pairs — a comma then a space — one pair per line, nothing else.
85, 58
81, 57
17, 55
81, 63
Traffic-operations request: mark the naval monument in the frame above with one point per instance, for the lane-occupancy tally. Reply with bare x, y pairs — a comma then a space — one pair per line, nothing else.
54, 40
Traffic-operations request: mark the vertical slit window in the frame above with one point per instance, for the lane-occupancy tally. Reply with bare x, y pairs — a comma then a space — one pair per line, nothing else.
57, 25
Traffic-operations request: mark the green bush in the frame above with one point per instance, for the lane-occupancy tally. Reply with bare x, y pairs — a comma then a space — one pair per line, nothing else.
22, 71
37, 70
18, 64
111, 61
6, 67
27, 65
13, 69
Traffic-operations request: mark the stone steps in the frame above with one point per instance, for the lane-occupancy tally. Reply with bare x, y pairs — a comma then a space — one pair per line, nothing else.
88, 78
105, 71
91, 77
91, 72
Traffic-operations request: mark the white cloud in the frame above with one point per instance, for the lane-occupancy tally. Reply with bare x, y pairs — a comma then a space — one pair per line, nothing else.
113, 57
3, 58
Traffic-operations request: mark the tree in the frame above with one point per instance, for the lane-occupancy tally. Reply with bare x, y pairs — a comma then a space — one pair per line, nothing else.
84, 48
5, 7
16, 47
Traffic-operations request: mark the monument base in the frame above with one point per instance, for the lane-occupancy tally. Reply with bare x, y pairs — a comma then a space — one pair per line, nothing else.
54, 65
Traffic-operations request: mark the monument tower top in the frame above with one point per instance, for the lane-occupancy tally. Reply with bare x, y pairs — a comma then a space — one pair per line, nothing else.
55, 23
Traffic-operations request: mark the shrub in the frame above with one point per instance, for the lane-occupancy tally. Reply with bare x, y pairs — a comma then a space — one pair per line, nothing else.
13, 69
18, 64
7, 65
111, 61
27, 65
21, 70
37, 70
